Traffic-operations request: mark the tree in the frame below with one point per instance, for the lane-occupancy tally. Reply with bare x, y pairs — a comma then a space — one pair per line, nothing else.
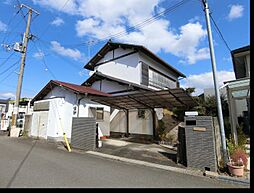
207, 106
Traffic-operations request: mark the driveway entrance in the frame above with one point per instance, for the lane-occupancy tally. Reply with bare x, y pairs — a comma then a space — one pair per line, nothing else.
149, 152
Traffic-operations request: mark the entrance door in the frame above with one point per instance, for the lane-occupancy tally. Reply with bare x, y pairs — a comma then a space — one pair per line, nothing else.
42, 123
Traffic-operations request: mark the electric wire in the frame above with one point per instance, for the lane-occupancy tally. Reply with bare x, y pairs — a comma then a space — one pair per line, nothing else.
220, 33
137, 26
8, 75
8, 24
7, 69
48, 26
74, 65
7, 58
44, 61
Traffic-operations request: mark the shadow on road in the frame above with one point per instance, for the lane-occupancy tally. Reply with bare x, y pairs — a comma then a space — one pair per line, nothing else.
20, 165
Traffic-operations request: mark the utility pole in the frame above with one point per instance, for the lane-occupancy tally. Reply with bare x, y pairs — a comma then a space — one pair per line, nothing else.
217, 92
22, 65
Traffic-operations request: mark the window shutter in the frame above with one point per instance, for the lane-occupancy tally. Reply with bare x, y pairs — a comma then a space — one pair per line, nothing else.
144, 75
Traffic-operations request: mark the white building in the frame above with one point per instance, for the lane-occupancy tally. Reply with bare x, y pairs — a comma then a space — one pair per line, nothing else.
4, 122
56, 105
119, 69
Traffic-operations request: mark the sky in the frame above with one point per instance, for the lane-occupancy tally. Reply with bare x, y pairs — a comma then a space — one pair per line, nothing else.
67, 33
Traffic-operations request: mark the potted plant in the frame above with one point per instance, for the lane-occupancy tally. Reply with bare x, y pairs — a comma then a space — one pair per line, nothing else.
237, 162
238, 158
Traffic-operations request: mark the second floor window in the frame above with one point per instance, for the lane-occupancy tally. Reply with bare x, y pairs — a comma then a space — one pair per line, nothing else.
160, 81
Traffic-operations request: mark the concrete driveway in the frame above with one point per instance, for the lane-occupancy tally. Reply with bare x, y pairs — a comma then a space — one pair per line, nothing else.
149, 152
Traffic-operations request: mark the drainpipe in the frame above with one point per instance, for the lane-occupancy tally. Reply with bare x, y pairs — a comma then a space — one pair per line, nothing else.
79, 103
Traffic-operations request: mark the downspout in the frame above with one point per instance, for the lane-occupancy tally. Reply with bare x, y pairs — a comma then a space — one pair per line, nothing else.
79, 103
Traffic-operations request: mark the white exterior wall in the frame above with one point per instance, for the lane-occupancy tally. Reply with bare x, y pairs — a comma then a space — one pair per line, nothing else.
60, 112
104, 124
108, 86
119, 124
141, 125
126, 68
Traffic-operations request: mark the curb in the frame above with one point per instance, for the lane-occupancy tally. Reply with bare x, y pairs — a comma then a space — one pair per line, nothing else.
158, 166
234, 180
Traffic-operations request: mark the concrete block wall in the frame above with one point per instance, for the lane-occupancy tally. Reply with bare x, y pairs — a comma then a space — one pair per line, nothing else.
200, 145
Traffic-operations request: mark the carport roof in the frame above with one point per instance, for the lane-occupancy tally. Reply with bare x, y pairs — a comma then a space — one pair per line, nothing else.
170, 98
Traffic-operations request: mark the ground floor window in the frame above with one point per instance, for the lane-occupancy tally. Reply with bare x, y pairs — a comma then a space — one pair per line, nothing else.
98, 113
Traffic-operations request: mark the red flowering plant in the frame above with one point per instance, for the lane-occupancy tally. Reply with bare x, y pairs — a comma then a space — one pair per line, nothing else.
239, 157
237, 152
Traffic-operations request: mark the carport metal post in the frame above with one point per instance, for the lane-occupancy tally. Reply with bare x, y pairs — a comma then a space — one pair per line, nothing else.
154, 123
127, 122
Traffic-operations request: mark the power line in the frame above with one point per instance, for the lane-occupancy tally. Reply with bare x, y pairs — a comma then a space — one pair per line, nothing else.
9, 75
7, 35
43, 33
137, 26
9, 22
44, 62
22, 13
6, 70
8, 58
220, 34
59, 56
149, 20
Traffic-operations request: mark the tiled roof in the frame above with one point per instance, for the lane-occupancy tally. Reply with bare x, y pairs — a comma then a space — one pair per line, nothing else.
114, 45
83, 90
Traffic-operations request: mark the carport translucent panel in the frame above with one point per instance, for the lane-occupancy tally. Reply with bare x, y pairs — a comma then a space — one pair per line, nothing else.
149, 99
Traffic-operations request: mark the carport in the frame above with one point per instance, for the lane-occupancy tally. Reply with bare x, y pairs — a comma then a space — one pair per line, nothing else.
169, 98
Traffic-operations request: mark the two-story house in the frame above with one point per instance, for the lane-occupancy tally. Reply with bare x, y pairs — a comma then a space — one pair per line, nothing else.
238, 91
119, 69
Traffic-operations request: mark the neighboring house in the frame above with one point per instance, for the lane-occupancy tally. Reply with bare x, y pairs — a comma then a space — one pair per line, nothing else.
238, 91
25, 109
4, 106
210, 92
3, 114
58, 103
125, 68
241, 62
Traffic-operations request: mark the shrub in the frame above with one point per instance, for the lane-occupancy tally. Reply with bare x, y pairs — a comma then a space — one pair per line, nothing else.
242, 140
160, 130
237, 152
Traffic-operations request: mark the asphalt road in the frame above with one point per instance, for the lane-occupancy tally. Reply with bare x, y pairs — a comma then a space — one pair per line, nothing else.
35, 163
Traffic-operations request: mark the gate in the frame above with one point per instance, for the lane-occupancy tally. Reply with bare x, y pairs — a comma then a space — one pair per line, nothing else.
83, 135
